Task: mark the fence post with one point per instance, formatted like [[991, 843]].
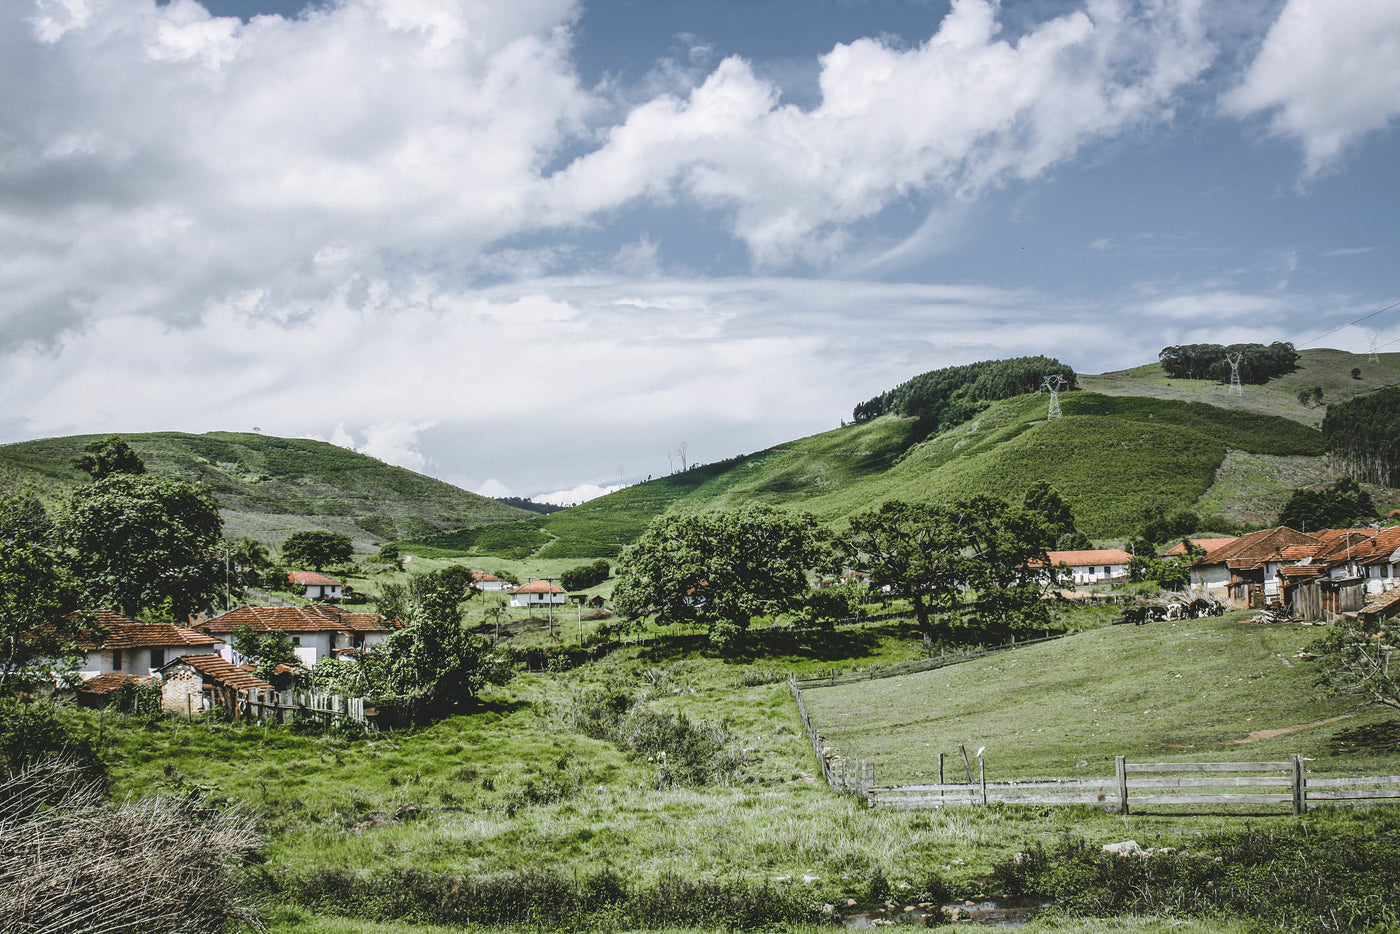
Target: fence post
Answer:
[[940, 774], [1300, 788], [1121, 766], [982, 772], [967, 766]]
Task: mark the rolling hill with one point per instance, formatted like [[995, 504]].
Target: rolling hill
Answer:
[[269, 487], [1129, 441]]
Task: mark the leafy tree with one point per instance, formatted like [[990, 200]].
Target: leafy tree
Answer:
[[912, 552], [267, 648], [389, 554], [37, 632], [1356, 659], [316, 549], [952, 395], [141, 543], [1342, 504], [721, 569], [1258, 363], [585, 575], [435, 659], [1010, 545], [110, 456], [1045, 500]]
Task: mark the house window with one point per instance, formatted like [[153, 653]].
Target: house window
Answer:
[[116, 659], [296, 640], [157, 657]]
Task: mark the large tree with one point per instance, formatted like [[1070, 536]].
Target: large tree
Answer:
[[1339, 505], [721, 568], [913, 552], [317, 549], [36, 598], [1011, 566], [144, 544]]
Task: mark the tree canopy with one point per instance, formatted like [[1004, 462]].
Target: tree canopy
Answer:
[[144, 544], [1356, 659], [979, 554], [1363, 436], [102, 459], [316, 549], [1340, 505], [36, 597], [721, 568], [1258, 363], [954, 394]]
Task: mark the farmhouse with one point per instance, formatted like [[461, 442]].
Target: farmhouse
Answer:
[[538, 593], [484, 581], [317, 631], [137, 648], [196, 683], [1094, 566], [1244, 571], [318, 586], [1206, 545]]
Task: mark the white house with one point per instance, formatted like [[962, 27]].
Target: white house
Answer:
[[538, 593], [138, 648], [316, 631], [1095, 566], [318, 586], [484, 581]]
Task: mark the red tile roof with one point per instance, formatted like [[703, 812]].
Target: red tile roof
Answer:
[[314, 618], [218, 669], [1079, 559], [1252, 550], [539, 587], [483, 577], [1205, 544], [313, 579], [109, 681], [126, 633]]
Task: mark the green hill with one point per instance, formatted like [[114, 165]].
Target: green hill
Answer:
[[269, 487], [1110, 457]]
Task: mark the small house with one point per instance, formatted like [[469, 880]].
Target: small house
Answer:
[[315, 631], [193, 684], [1094, 566], [318, 586], [131, 646], [484, 581], [538, 593]]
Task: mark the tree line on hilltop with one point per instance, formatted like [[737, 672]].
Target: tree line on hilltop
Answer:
[[1258, 363], [952, 395]]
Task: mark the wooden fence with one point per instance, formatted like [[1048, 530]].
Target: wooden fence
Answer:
[[1156, 784], [289, 706]]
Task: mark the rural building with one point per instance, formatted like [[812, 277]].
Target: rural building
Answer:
[[197, 683], [538, 593], [317, 631], [318, 586], [135, 647], [1206, 545], [484, 581], [1094, 566], [97, 692], [1244, 571]]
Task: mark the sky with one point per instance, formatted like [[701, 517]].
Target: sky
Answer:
[[543, 247]]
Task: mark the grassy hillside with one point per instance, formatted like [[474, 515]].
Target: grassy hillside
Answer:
[[1324, 367], [1111, 458], [1216, 689], [269, 487]]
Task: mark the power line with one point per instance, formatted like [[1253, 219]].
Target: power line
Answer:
[[1349, 324]]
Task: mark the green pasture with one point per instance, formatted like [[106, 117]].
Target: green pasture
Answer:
[[1215, 689]]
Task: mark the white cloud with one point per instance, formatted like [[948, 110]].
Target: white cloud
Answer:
[[961, 113], [579, 494], [1328, 73]]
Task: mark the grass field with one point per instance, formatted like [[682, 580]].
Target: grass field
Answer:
[[1215, 689]]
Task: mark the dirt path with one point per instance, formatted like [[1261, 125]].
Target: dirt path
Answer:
[[1258, 735]]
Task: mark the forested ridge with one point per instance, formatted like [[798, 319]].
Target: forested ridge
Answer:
[[1258, 363], [1363, 436], [955, 394]]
